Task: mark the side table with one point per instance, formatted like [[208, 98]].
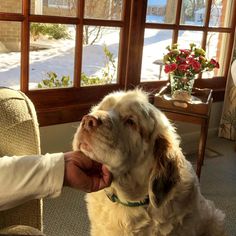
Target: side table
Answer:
[[196, 111]]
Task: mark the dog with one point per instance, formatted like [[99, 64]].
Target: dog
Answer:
[[155, 190]]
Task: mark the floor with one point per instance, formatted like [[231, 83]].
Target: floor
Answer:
[[66, 215]]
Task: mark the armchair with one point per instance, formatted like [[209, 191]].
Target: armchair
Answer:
[[19, 136]]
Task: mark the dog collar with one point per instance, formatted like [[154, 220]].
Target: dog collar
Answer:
[[114, 198]]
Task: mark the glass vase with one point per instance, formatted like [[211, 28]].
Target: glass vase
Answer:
[[181, 87]]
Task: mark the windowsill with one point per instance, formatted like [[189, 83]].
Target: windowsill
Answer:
[[71, 104]]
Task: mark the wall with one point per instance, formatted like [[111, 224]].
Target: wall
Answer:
[[10, 31], [58, 138], [10, 35]]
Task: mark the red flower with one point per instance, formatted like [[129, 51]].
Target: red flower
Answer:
[[214, 63], [183, 67], [180, 59], [195, 64], [170, 67], [187, 62], [185, 52]]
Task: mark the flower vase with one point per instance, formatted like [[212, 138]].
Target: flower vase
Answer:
[[181, 87]]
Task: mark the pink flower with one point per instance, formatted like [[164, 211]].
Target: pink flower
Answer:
[[170, 67], [214, 63]]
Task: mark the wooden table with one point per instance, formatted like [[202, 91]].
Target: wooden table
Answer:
[[196, 111]]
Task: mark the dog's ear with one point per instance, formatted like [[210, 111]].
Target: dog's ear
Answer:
[[164, 174]]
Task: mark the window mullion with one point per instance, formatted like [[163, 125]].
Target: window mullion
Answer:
[[122, 65], [177, 22], [206, 25], [135, 42], [79, 44], [24, 81]]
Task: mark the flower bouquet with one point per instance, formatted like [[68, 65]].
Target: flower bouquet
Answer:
[[183, 65]]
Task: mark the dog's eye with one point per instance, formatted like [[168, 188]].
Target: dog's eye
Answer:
[[130, 122]]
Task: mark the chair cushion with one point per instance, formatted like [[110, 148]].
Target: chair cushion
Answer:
[[18, 124]]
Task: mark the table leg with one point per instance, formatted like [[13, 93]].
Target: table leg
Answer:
[[202, 146], [160, 70]]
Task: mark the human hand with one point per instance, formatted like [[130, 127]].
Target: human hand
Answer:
[[85, 174]]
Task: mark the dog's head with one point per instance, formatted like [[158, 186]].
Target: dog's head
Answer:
[[135, 141]]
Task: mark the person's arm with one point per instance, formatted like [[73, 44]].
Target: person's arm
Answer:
[[23, 178]]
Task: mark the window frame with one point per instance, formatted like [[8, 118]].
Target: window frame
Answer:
[[55, 106], [216, 83]]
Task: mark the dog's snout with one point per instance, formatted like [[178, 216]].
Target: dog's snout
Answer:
[[90, 122]]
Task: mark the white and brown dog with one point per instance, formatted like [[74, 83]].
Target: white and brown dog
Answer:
[[155, 190]]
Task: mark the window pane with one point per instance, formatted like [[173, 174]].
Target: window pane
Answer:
[[185, 37], [10, 34], [11, 6], [103, 9], [100, 55], [55, 7], [51, 55], [215, 48], [161, 11], [193, 12], [155, 44], [221, 13]]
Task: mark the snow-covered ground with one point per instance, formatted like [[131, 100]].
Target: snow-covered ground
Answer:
[[58, 56]]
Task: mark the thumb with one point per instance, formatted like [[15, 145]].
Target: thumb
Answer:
[[103, 181], [106, 177]]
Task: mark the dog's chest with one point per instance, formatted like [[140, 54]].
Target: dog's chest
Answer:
[[108, 218]]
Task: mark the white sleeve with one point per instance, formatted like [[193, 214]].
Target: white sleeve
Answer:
[[23, 178]]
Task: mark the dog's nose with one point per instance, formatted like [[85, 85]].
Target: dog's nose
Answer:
[[90, 122]]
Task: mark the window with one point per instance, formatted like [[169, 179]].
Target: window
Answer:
[[67, 54], [208, 24]]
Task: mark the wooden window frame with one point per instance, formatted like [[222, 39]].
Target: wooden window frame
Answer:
[[56, 106], [216, 83]]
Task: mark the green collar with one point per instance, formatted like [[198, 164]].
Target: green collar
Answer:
[[114, 198]]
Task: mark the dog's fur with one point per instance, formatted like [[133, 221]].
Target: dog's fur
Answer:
[[140, 147]]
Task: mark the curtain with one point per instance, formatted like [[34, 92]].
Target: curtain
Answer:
[[227, 127]]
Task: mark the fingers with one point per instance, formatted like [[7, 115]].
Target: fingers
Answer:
[[102, 181], [79, 159], [107, 176], [85, 174]]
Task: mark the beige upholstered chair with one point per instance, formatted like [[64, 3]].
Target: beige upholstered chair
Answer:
[[19, 135]]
